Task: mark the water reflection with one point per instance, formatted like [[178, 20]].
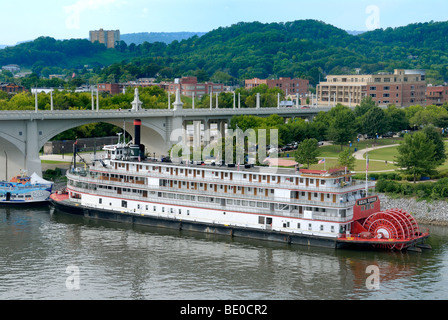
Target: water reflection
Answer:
[[119, 261]]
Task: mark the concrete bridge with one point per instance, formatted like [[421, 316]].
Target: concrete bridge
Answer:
[[23, 133]]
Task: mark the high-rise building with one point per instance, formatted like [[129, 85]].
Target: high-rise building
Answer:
[[402, 88], [107, 37]]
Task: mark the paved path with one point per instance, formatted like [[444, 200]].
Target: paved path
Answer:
[[359, 155]]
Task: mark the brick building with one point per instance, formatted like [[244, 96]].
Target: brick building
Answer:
[[436, 95], [402, 88], [107, 37], [289, 86], [189, 86], [111, 88], [11, 88]]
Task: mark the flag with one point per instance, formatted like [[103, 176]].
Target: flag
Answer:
[[322, 161], [367, 163], [73, 75]]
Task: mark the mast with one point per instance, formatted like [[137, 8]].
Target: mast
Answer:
[[367, 173]]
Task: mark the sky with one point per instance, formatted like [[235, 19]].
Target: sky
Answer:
[[66, 19]]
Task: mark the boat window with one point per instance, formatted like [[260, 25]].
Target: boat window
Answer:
[[261, 220], [124, 204]]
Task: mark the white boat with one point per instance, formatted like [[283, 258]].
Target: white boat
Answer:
[[23, 189], [309, 207]]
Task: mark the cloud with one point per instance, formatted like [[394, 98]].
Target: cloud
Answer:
[[74, 11]]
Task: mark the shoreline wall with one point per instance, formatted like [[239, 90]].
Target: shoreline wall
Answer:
[[433, 213]]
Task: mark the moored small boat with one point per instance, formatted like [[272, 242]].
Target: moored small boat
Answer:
[[23, 189]]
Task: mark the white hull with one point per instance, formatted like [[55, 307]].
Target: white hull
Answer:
[[226, 218]]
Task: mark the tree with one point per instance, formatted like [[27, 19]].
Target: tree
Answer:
[[396, 118], [434, 135], [342, 125], [307, 152], [346, 159], [416, 154], [375, 122], [366, 104]]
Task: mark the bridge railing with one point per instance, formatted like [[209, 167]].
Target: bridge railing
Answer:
[[128, 113]]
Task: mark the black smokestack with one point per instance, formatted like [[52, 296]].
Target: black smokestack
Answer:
[[137, 128]]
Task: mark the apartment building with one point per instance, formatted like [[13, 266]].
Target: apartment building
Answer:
[[111, 88], [189, 86], [289, 86], [107, 37], [402, 88], [436, 95]]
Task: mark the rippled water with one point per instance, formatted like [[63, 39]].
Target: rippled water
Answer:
[[117, 261]]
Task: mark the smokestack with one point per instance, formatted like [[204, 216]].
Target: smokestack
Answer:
[[137, 128]]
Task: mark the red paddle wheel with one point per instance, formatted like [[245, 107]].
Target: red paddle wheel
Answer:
[[394, 225]]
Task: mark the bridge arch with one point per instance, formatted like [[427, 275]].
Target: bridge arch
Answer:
[[152, 135], [12, 159], [21, 141]]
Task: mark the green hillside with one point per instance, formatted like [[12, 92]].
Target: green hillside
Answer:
[[305, 48]]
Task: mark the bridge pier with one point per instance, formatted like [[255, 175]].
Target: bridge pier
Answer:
[[32, 160]]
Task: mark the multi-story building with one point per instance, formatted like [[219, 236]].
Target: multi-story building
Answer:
[[11, 88], [12, 68], [111, 88], [189, 86], [289, 86], [402, 88], [436, 95], [107, 37]]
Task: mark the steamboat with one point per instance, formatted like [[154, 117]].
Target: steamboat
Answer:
[[325, 208]]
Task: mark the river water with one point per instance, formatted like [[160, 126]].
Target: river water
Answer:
[[46, 254]]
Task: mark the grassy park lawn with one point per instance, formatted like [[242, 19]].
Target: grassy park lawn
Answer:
[[360, 165], [333, 150], [384, 154], [54, 161]]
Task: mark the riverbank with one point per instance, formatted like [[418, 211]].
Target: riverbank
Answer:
[[425, 212]]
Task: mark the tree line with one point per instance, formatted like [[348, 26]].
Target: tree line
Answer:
[[307, 49]]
